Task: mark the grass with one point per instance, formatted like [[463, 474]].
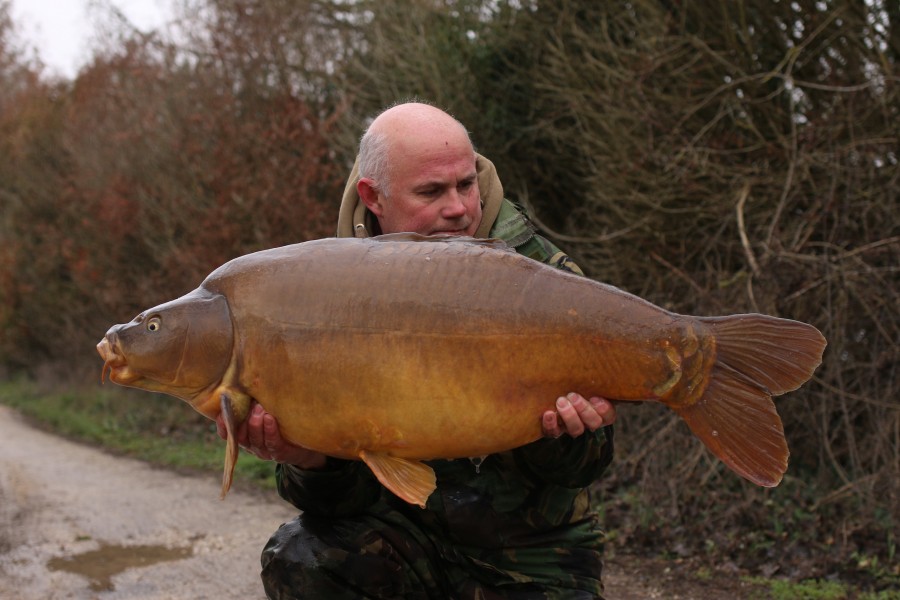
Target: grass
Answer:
[[151, 427], [816, 589]]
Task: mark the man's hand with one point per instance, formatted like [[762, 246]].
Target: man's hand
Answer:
[[259, 435], [574, 415]]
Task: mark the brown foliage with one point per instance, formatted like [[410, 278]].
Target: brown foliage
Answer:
[[31, 171], [166, 170]]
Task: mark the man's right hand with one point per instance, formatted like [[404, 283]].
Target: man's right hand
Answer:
[[259, 435]]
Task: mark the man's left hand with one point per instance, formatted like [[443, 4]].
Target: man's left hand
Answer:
[[574, 415]]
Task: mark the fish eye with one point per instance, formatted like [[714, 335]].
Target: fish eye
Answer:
[[154, 324]]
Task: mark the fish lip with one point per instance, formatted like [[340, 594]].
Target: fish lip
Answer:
[[114, 362], [109, 351]]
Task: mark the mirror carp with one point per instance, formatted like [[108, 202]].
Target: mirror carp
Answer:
[[404, 348]]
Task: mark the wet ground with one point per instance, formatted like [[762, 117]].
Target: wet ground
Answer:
[[100, 565]]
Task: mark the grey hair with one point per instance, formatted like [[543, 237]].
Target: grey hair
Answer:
[[373, 160]]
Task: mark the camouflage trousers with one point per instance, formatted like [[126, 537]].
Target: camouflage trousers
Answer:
[[385, 556]]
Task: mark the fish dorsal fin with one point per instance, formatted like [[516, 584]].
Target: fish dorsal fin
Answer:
[[495, 243], [411, 480]]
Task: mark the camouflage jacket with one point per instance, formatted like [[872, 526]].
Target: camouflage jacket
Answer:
[[518, 516]]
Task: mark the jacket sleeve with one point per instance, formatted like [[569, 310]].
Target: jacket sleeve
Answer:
[[344, 488], [515, 228], [567, 461]]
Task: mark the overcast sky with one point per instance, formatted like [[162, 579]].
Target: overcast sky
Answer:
[[61, 29]]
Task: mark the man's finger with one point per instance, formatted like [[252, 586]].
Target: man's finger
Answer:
[[570, 417], [604, 408], [588, 414], [550, 425], [272, 437], [255, 428]]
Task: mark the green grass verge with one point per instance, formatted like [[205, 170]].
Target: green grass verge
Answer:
[[151, 427], [815, 589]]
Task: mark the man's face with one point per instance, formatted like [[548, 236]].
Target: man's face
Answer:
[[433, 188]]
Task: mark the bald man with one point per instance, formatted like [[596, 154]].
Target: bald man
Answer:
[[518, 524]]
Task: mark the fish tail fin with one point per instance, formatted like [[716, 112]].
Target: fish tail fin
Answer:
[[757, 357]]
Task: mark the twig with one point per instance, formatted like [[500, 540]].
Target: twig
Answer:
[[805, 289], [877, 244], [789, 179], [859, 398], [843, 490], [751, 295], [678, 272], [599, 239], [788, 85], [745, 242], [827, 88]]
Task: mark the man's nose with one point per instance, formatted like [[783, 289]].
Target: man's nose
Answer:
[[454, 205]]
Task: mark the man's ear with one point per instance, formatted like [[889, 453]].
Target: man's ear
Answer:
[[365, 187]]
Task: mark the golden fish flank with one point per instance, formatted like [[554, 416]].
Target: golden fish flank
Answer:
[[363, 350]]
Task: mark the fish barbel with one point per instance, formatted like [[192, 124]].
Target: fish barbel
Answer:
[[404, 348]]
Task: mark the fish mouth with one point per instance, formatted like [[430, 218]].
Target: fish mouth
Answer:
[[114, 362]]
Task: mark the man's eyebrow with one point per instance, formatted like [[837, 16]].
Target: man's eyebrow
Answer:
[[439, 184], [429, 185]]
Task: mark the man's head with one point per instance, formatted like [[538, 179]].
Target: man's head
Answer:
[[417, 172]]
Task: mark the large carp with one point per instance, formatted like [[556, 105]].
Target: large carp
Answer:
[[403, 348]]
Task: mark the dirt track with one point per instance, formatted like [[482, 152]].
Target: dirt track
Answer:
[[77, 523], [169, 534]]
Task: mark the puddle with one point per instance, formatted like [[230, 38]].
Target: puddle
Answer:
[[100, 565]]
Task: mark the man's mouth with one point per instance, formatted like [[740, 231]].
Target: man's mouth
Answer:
[[450, 232]]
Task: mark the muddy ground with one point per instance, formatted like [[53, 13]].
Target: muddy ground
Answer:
[[78, 523]]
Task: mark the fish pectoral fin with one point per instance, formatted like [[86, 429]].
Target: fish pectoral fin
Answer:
[[235, 407], [411, 480]]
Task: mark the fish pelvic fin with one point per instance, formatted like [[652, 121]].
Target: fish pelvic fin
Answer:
[[410, 480], [235, 408], [757, 357]]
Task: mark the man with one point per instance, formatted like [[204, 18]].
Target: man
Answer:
[[512, 525]]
